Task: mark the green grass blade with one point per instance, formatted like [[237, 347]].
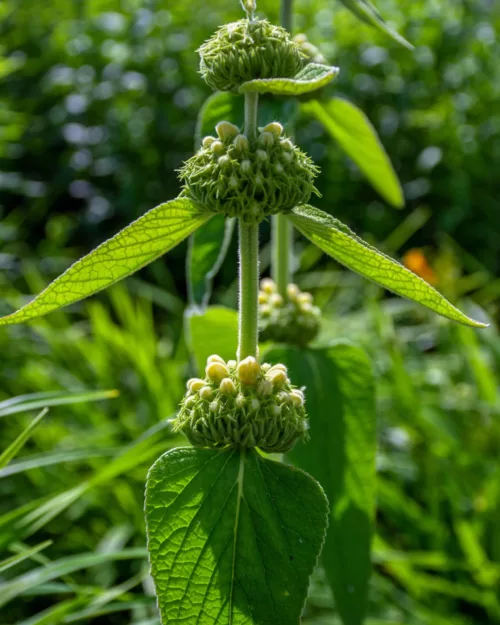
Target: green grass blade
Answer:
[[137, 245], [354, 133], [337, 240], [313, 77], [36, 401], [18, 444], [23, 555]]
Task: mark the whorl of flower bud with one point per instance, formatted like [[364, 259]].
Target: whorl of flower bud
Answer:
[[249, 179], [246, 50], [252, 406], [293, 319]]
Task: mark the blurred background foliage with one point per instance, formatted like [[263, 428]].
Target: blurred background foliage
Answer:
[[98, 105]]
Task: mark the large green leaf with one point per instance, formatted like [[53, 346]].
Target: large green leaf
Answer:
[[350, 127], [341, 456], [214, 331], [137, 245], [312, 77], [337, 240], [366, 12], [207, 250], [232, 537]]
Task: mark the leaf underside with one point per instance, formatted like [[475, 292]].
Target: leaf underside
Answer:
[[352, 130], [340, 454], [366, 12], [339, 242], [312, 77], [232, 537], [137, 245]]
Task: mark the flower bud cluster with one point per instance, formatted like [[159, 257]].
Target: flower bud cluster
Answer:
[[310, 51], [246, 50], [293, 319], [249, 179], [242, 405]]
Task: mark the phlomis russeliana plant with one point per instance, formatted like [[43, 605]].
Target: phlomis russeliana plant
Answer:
[[233, 535]]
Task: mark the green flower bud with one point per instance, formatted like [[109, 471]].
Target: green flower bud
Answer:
[[234, 413], [292, 319], [249, 179], [248, 49]]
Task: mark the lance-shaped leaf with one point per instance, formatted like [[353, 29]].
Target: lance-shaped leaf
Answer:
[[366, 12], [137, 245], [340, 454], [232, 537], [350, 127], [339, 242], [207, 250], [312, 77]]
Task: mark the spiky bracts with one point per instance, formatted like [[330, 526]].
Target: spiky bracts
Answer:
[[249, 179], [243, 405], [248, 49]]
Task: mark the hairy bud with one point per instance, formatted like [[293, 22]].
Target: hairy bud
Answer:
[[234, 413], [248, 49]]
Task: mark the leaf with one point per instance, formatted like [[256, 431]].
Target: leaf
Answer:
[[215, 331], [341, 456], [232, 537], [366, 12], [312, 77], [20, 441], [35, 401], [137, 245], [337, 240], [208, 247], [220, 106], [23, 555], [350, 127]]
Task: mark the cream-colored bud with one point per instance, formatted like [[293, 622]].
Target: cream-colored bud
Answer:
[[274, 128], [240, 401], [265, 367], [286, 144], [262, 297], [287, 157], [227, 387], [231, 364], [266, 139], [207, 141], [224, 160], [306, 308], [277, 377], [246, 166], [217, 147], [216, 371], [214, 406], [265, 387], [275, 410], [265, 310], [293, 291], [227, 131], [283, 398], [261, 156], [215, 358], [190, 401], [279, 367], [300, 38], [241, 143], [206, 393], [279, 168], [297, 398], [194, 384], [254, 404], [248, 370], [276, 300], [268, 286], [305, 298]]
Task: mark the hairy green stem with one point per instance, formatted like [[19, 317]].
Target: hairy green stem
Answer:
[[249, 289], [249, 258], [282, 233], [251, 113]]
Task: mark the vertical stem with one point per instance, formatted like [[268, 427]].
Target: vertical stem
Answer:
[[282, 233], [249, 258], [249, 289]]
